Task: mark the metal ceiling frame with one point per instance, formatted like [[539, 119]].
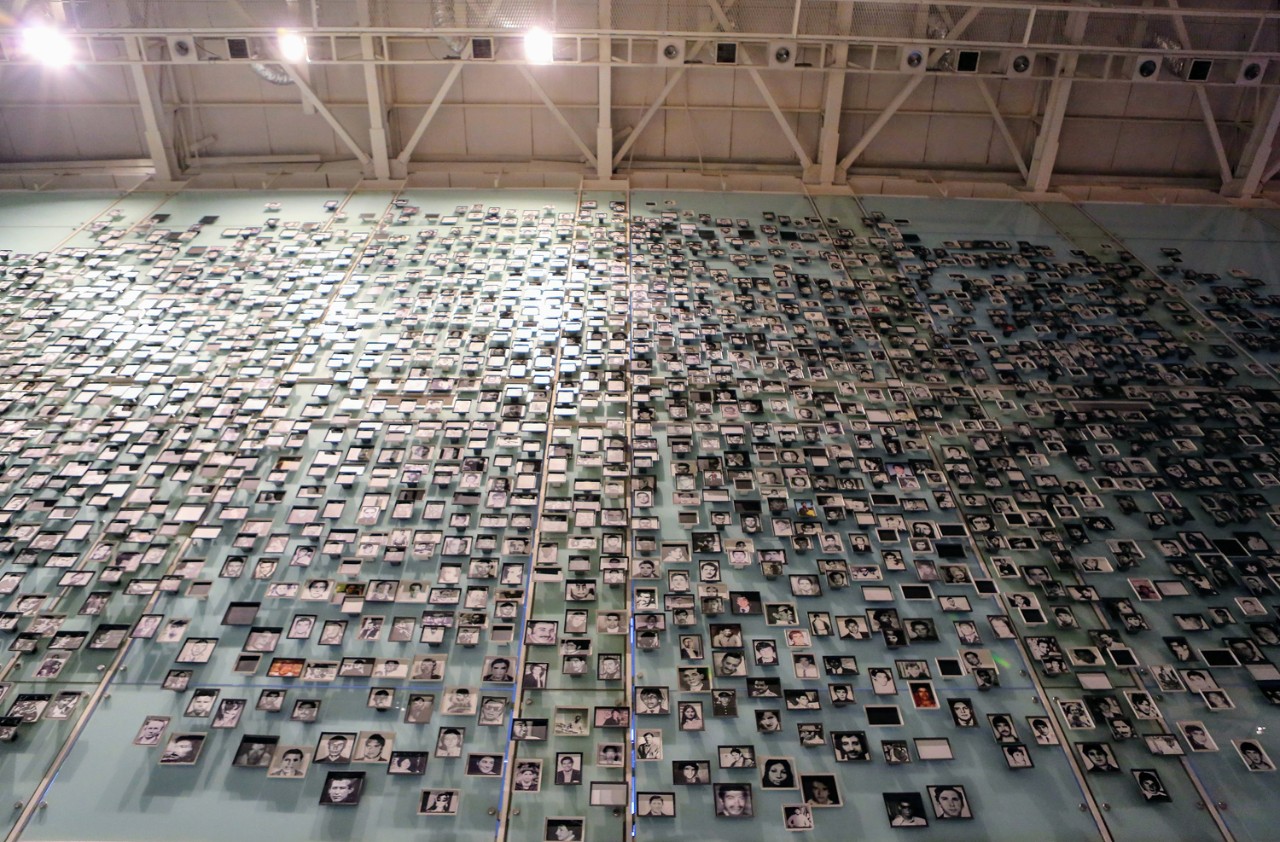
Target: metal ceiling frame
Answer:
[[837, 54]]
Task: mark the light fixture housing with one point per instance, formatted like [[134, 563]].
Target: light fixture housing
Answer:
[[671, 51], [1020, 64], [539, 47], [1146, 68], [293, 46], [182, 49], [48, 45], [783, 54], [914, 58], [1251, 71]]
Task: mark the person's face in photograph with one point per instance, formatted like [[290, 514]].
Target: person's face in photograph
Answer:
[[769, 721], [542, 633], [290, 762], [777, 773], [182, 749], [201, 705], [733, 802], [485, 765], [526, 777], [151, 730], [341, 789], [820, 793], [373, 748], [950, 803], [336, 746]]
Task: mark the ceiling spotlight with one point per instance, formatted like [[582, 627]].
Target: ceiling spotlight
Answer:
[[538, 46], [782, 55], [671, 52], [1021, 64], [1147, 68], [293, 47], [48, 45]]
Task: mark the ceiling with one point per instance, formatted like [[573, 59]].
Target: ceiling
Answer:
[[826, 93]]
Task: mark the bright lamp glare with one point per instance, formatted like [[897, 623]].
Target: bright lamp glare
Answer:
[[537, 46], [48, 45], [293, 47]]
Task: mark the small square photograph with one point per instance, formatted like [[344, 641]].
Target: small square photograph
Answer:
[[342, 789], [1197, 736], [305, 710], [449, 742], [419, 708], [438, 802], [153, 728], [290, 762], [202, 703], [690, 772], [1042, 730], [778, 773], [1150, 786], [196, 650], [690, 717], [460, 701], [737, 757], [568, 768], [656, 805], [565, 828], [484, 765], [182, 749], [525, 729], [1254, 756], [905, 809], [572, 722], [528, 776], [229, 712], [820, 790], [610, 755], [373, 747], [649, 744], [1097, 757], [949, 802], [335, 747], [733, 801], [895, 751], [255, 751], [1016, 756], [270, 700]]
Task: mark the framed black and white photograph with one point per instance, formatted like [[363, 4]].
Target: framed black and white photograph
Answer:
[[196, 650], [568, 768], [289, 762], [733, 801], [778, 773], [484, 765], [736, 756], [1150, 786], [528, 776], [564, 829], [905, 809], [153, 728], [950, 801], [255, 751], [342, 788], [439, 802], [182, 749], [1254, 756], [820, 790], [656, 805]]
